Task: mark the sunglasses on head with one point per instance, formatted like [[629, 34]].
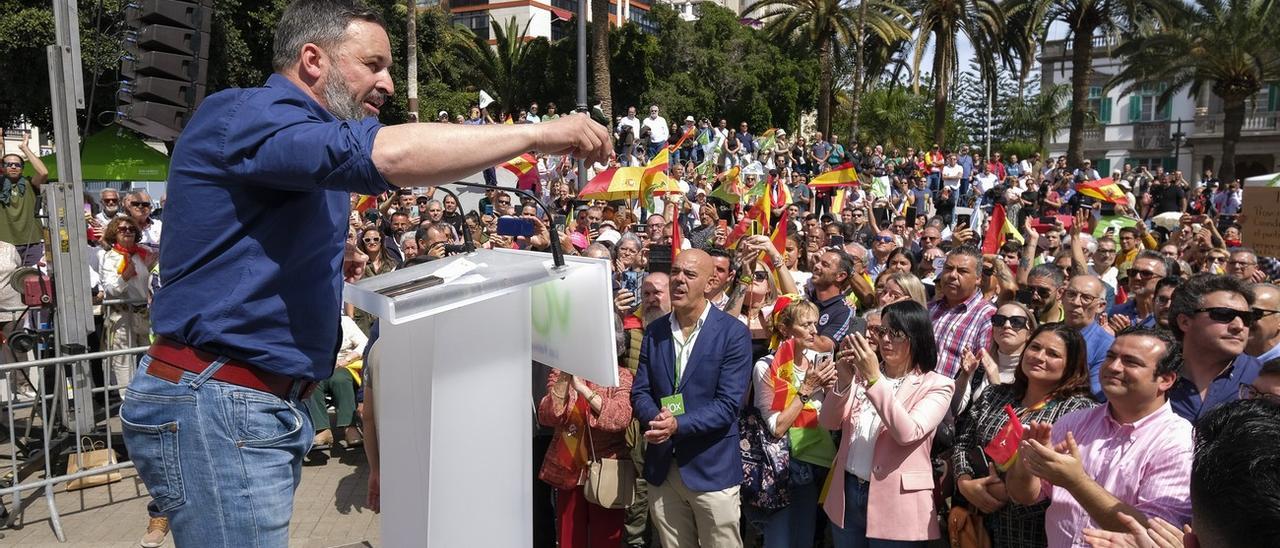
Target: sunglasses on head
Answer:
[[1016, 322], [1222, 314]]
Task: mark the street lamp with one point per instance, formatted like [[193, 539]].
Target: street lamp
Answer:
[[1178, 138]]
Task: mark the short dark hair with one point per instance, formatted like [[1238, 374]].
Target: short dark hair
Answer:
[[1075, 376], [1168, 281], [1186, 299], [912, 318], [1155, 256], [320, 22], [1171, 361], [1048, 270], [720, 252], [1235, 475], [966, 251]]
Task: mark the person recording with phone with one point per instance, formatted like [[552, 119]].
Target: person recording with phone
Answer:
[[790, 384]]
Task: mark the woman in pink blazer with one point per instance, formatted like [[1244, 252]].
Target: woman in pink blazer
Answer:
[[887, 407]]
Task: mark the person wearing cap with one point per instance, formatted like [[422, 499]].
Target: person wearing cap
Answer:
[[685, 152], [442, 116]]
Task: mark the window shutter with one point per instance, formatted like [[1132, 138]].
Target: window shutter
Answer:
[[1104, 117], [1273, 97], [1135, 107]]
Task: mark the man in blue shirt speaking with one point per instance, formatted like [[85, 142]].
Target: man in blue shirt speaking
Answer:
[[253, 261]]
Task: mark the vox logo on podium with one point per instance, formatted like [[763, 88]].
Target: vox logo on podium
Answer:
[[551, 310]]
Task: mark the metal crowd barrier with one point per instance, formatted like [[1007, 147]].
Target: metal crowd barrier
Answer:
[[42, 432]]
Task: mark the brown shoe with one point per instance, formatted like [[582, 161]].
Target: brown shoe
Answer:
[[323, 440], [157, 530]]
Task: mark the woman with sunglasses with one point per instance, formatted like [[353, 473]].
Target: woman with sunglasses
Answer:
[[126, 275], [1011, 327], [757, 289], [892, 287], [380, 260], [789, 395], [1051, 380], [887, 406]]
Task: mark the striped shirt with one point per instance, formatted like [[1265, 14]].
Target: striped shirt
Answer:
[[1146, 465], [964, 326]]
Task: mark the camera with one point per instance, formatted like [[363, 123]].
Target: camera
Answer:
[[454, 249]]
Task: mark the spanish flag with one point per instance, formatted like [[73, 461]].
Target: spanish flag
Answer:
[[837, 201], [365, 203], [1105, 190], [692, 131], [525, 168], [842, 175], [781, 195], [779, 237], [1003, 448]]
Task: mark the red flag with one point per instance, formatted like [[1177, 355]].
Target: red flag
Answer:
[[1003, 448], [1105, 190], [677, 240], [779, 237], [994, 237], [366, 203], [525, 168]]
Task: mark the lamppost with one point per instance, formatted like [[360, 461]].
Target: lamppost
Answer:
[[1178, 138]]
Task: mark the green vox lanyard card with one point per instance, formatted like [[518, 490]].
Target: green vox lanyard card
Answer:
[[674, 403]]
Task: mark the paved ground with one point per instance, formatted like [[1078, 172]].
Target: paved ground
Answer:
[[328, 510]]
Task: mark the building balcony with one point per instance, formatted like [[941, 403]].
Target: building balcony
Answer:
[[1255, 123], [1151, 136], [1055, 50]]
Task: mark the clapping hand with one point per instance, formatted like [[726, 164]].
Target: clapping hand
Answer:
[[1161, 534], [1059, 465]]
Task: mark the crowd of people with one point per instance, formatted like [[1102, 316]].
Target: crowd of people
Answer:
[[877, 379], [869, 378]]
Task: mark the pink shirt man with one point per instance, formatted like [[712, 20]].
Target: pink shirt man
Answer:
[[1146, 464]]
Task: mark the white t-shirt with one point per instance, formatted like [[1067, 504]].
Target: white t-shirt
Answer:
[[951, 176]]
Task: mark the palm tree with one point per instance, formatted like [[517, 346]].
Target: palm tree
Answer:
[[1224, 46], [600, 54], [497, 64], [1084, 19], [941, 22], [824, 24], [1041, 116]]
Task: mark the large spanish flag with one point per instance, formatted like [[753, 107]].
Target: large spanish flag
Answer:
[[525, 168], [1104, 189], [842, 175]]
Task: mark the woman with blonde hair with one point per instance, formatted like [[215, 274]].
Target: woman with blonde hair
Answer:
[[892, 287]]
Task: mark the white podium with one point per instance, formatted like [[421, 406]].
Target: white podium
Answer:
[[453, 392]]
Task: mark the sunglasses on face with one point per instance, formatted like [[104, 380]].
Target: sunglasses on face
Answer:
[[1042, 292], [760, 275], [1143, 274], [1260, 313], [372, 240], [884, 239], [141, 204], [126, 230], [1224, 315], [892, 335], [1018, 323], [110, 200], [13, 164]]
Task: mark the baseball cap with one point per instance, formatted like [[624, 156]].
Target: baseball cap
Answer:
[[610, 237]]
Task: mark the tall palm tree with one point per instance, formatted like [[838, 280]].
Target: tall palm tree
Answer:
[[1225, 46], [497, 64], [1041, 116], [1084, 20], [941, 22], [600, 77], [824, 24]]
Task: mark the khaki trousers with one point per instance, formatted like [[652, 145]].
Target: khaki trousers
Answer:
[[689, 519]]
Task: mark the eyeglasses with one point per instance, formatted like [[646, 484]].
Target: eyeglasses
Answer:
[[1240, 264], [892, 335], [1143, 274], [1018, 323], [1042, 292], [1250, 392], [372, 240], [13, 164], [1224, 315], [760, 275], [141, 204], [1072, 295], [110, 200]]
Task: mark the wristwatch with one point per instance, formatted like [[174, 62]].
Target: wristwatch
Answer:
[[806, 398]]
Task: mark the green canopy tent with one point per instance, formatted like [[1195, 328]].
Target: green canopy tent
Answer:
[[113, 154]]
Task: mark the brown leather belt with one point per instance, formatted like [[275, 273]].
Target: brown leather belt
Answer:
[[170, 358]]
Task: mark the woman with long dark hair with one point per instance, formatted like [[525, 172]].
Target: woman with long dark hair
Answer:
[[1052, 379], [887, 404]]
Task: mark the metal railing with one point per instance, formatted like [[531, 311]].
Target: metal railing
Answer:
[[43, 434]]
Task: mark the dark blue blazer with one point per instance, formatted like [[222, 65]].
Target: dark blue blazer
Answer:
[[714, 386]]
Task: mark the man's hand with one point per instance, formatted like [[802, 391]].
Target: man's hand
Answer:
[[436, 250], [541, 238], [1115, 323], [661, 428], [353, 263], [1161, 534], [623, 302], [574, 134], [1058, 465]]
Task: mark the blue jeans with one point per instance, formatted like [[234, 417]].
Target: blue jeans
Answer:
[[854, 532], [221, 461], [793, 526]]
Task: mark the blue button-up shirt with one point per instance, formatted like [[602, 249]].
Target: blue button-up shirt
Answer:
[[255, 217], [965, 161], [1186, 400], [1097, 342], [1269, 355]]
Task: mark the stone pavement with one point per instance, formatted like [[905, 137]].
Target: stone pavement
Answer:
[[328, 510]]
